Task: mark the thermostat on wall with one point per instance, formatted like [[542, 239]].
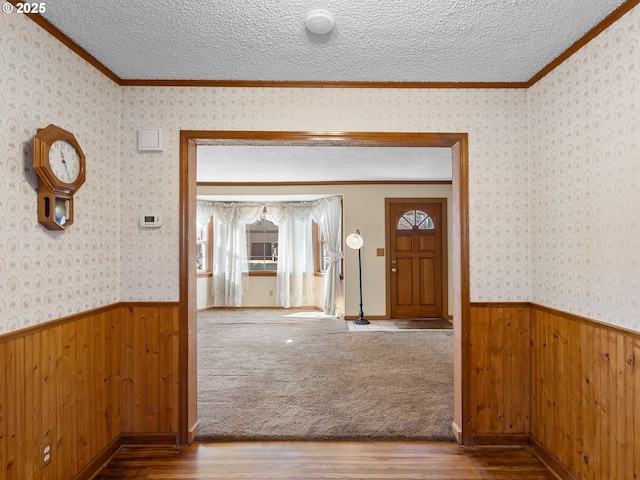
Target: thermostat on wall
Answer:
[[150, 221]]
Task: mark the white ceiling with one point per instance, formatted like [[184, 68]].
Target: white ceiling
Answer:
[[373, 40], [278, 164]]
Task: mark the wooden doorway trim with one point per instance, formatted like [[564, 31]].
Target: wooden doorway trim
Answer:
[[458, 142]]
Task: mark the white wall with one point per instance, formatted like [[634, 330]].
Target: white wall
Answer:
[[260, 292]]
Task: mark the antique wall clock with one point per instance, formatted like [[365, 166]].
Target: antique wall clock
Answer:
[[60, 165]]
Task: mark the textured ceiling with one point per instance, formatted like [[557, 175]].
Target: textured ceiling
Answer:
[[321, 163], [373, 40]]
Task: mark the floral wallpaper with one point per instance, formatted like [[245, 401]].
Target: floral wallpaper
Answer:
[[44, 274], [499, 175], [585, 180], [553, 174]]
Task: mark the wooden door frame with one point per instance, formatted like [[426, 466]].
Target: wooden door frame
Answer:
[[444, 253], [189, 139]]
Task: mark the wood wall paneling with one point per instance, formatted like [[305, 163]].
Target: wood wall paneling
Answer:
[[585, 393], [570, 384], [150, 376], [63, 383], [500, 339]]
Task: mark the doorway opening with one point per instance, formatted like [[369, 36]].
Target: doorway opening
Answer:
[[189, 140]]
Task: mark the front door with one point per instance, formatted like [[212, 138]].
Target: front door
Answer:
[[417, 257]]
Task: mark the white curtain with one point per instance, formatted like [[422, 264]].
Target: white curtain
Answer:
[[296, 267], [328, 214], [204, 210], [230, 250]]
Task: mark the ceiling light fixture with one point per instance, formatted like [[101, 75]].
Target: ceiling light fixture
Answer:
[[319, 21]]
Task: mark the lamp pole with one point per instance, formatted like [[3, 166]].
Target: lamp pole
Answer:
[[356, 242], [361, 320]]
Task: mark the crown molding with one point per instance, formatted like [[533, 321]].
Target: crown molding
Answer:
[[585, 39]]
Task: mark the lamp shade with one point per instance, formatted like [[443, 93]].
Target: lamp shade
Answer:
[[355, 241]]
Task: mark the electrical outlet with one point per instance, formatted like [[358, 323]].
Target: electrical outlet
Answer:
[[271, 293], [46, 453]]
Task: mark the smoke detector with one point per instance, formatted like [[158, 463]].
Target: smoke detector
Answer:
[[319, 21]]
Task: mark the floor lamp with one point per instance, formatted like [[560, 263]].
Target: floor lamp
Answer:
[[355, 241]]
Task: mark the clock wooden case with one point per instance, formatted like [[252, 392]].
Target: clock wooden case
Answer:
[[60, 165]]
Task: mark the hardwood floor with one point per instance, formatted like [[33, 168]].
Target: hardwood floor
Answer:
[[322, 460]]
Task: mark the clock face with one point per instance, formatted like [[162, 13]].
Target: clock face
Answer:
[[64, 160]]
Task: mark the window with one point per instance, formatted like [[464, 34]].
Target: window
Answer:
[[262, 244], [203, 248], [415, 219], [201, 255], [320, 250]]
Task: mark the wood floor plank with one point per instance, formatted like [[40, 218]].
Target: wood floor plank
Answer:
[[323, 460]]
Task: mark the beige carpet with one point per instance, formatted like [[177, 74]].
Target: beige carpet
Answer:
[[285, 375]]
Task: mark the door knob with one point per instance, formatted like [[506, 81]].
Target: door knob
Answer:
[[394, 270], [393, 262]]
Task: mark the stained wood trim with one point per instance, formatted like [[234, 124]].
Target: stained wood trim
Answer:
[[41, 327], [67, 42], [368, 317], [148, 304], [349, 182], [341, 138], [458, 142], [462, 331], [96, 465], [585, 39], [148, 439], [187, 369], [584, 320], [318, 84], [81, 52], [551, 461], [501, 440], [569, 316], [262, 273], [501, 305]]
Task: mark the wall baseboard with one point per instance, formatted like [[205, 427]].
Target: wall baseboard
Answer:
[[368, 317], [150, 439], [193, 431], [457, 432], [500, 440], [98, 463], [551, 461]]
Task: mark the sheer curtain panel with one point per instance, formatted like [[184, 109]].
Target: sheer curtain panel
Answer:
[[230, 267], [296, 267]]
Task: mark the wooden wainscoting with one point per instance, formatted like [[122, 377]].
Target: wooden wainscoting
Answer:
[[566, 385], [500, 370], [585, 395], [150, 370], [81, 383]]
